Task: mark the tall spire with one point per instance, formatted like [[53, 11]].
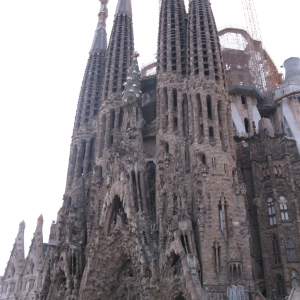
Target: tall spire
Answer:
[[120, 49], [89, 98], [100, 38]]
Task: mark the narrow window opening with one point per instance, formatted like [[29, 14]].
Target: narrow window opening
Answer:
[[243, 100], [221, 217], [175, 124], [121, 115], [201, 131], [276, 249], [185, 117], [167, 147], [103, 132], [283, 209], [174, 98], [280, 286], [199, 105], [187, 158], [134, 190], [73, 265], [246, 125], [289, 244], [112, 120], [139, 187], [209, 108], [271, 212], [211, 133]]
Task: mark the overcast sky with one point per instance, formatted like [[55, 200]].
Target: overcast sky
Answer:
[[43, 53]]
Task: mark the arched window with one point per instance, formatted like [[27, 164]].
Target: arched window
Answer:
[[276, 249], [283, 208], [289, 245], [280, 285], [271, 212]]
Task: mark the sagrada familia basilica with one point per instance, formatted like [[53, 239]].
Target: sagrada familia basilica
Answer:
[[183, 177]]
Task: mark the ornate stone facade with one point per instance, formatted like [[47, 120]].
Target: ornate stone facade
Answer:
[[164, 199]]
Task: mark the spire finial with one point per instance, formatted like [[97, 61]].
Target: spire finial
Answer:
[[124, 7], [100, 38]]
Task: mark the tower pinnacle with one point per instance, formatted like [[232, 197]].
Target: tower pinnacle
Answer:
[[100, 38], [124, 7]]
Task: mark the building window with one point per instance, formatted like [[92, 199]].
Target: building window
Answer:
[[283, 208], [221, 217], [276, 249], [289, 244], [246, 121], [209, 107], [167, 149], [280, 285], [271, 212]]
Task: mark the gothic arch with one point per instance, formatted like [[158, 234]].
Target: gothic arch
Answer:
[[115, 214]]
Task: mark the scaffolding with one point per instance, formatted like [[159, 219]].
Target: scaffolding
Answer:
[[247, 63]]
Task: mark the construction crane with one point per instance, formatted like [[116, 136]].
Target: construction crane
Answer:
[[251, 19]]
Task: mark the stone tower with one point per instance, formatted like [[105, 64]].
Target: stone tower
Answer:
[[219, 213]]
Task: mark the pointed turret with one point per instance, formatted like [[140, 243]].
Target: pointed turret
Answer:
[[38, 243], [120, 49], [15, 265], [19, 251]]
